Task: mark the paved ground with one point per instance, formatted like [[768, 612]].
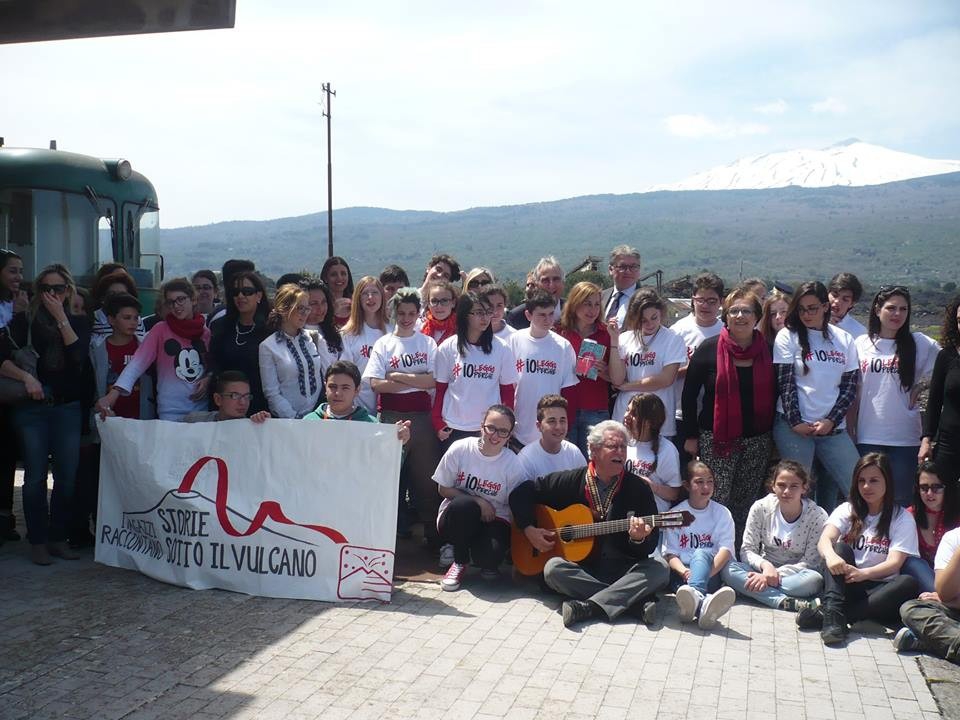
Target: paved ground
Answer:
[[80, 640]]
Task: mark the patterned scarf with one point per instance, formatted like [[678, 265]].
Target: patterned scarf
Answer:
[[600, 504]]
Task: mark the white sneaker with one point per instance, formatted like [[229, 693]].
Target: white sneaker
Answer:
[[688, 599], [451, 581], [446, 555], [715, 605]]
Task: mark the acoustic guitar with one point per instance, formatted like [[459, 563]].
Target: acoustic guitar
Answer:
[[574, 530]]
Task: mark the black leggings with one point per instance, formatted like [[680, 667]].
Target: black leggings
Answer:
[[485, 542], [870, 599]]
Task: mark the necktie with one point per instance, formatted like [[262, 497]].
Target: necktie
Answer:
[[614, 304]]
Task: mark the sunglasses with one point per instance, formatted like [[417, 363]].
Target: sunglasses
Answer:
[[893, 290], [934, 488], [57, 288], [245, 291]]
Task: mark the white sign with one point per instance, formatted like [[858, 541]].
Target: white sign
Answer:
[[289, 508]]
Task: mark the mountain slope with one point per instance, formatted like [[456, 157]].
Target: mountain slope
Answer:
[[852, 163], [896, 232]]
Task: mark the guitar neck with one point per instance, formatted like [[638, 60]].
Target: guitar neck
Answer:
[[607, 527]]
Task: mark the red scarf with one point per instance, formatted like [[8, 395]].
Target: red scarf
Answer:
[[727, 413], [191, 329], [432, 326]]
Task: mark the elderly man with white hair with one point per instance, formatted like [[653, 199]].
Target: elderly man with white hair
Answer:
[[549, 277], [619, 575]]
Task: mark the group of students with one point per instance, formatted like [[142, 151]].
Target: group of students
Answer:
[[747, 374]]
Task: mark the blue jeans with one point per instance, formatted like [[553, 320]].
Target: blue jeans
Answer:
[[700, 566], [836, 453], [804, 584], [44, 431], [916, 567], [582, 422], [903, 465]]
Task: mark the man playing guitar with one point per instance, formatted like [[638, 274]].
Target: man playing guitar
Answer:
[[619, 575]]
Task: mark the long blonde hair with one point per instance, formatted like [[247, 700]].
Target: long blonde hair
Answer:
[[575, 298], [36, 302], [285, 303], [354, 326]]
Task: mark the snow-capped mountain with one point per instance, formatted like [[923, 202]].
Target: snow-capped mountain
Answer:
[[851, 163]]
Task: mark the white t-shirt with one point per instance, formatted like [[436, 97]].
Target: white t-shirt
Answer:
[[711, 529], [465, 468], [640, 459], [664, 348], [781, 531], [852, 326], [537, 462], [415, 354], [869, 549], [546, 365], [327, 356], [505, 332], [827, 362], [357, 349], [949, 544], [885, 416], [693, 335], [473, 381]]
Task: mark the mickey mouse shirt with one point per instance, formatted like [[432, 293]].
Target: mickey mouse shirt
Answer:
[[180, 365]]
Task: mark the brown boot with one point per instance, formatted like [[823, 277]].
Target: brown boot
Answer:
[[39, 555], [62, 550]]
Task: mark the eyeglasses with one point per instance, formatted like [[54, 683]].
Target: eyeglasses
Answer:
[[245, 291], [494, 430], [57, 289], [740, 312], [237, 396], [370, 293], [303, 309], [626, 267], [810, 309], [482, 313], [177, 301], [201, 288], [934, 488], [440, 301], [706, 301]]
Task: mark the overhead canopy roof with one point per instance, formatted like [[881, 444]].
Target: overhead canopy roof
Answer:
[[36, 20]]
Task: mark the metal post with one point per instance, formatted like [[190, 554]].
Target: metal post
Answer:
[[327, 113]]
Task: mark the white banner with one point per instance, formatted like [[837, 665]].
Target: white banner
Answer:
[[289, 508]]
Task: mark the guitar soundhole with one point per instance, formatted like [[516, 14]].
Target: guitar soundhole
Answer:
[[566, 534]]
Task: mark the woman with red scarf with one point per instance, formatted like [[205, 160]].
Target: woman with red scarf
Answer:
[[439, 320], [731, 430], [178, 345]]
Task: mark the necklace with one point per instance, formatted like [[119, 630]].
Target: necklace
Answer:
[[243, 334]]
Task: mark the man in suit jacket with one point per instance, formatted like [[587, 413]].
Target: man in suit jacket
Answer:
[[625, 270], [549, 276]]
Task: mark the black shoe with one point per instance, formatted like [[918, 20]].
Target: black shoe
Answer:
[[648, 612], [578, 611], [83, 539], [834, 627], [810, 619]]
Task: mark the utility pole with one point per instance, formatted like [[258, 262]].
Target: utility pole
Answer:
[[326, 113]]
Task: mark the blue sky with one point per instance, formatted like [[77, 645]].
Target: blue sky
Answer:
[[443, 107]]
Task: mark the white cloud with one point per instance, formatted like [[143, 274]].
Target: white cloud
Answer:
[[829, 105], [700, 126], [777, 107]]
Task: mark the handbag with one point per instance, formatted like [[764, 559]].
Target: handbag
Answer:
[[15, 391]]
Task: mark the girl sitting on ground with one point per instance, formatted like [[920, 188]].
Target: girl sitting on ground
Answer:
[[697, 554], [864, 545], [779, 563]]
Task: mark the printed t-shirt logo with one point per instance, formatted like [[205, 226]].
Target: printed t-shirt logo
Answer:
[[476, 371], [642, 359], [477, 485], [878, 545], [365, 351], [638, 467], [880, 365], [532, 365], [780, 542], [408, 360], [696, 540], [837, 357]]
